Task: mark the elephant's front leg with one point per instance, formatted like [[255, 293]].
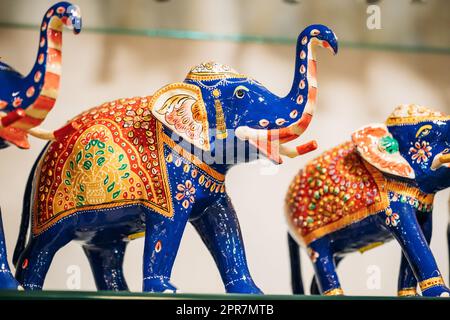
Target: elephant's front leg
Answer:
[[219, 229], [407, 282], [162, 239], [405, 228]]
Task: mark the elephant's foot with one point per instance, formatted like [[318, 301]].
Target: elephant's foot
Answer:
[[158, 284], [7, 281], [243, 285], [434, 287], [437, 291], [407, 292]]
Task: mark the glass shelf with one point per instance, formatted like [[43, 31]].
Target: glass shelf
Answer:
[[110, 295], [406, 25]]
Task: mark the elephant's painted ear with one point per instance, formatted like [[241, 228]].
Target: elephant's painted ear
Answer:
[[379, 148], [180, 107]]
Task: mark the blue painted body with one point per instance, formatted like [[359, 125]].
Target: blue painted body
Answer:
[[414, 229], [7, 280], [105, 233], [15, 88]]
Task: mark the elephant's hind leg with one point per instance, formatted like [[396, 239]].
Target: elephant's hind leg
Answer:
[[35, 261], [296, 268], [106, 261], [314, 287], [324, 267], [219, 229]]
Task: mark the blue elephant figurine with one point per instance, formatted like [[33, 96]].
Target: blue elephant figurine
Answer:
[[365, 192], [25, 101], [145, 166], [35, 94]]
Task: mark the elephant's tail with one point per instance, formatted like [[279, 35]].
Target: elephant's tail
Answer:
[[296, 271], [26, 209]]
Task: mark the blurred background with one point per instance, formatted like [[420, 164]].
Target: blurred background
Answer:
[[391, 52]]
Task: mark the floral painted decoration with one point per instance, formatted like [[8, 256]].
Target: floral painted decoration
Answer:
[[186, 193], [392, 218], [421, 151]]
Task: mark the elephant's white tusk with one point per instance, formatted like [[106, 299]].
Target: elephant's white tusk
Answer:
[[246, 133], [42, 134], [439, 160], [288, 152]]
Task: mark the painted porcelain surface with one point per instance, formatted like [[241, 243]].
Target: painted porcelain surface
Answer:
[[36, 92], [145, 166], [379, 186], [26, 100]]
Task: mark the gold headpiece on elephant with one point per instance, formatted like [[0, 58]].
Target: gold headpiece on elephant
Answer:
[[413, 113], [211, 70]]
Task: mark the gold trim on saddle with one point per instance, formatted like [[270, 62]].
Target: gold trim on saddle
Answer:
[[357, 216], [192, 158]]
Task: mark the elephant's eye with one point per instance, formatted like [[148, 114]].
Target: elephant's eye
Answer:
[[240, 94], [240, 91]]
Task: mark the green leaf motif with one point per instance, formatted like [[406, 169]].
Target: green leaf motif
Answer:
[[87, 164], [79, 156], [100, 152], [123, 166], [110, 149], [101, 161], [126, 175], [116, 194], [79, 204], [88, 146], [105, 182], [71, 165], [89, 155], [120, 157], [68, 175], [80, 198], [111, 186], [82, 187], [67, 182], [94, 142], [101, 145]]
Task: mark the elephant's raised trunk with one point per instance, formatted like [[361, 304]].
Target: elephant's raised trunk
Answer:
[[301, 98], [43, 80]]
